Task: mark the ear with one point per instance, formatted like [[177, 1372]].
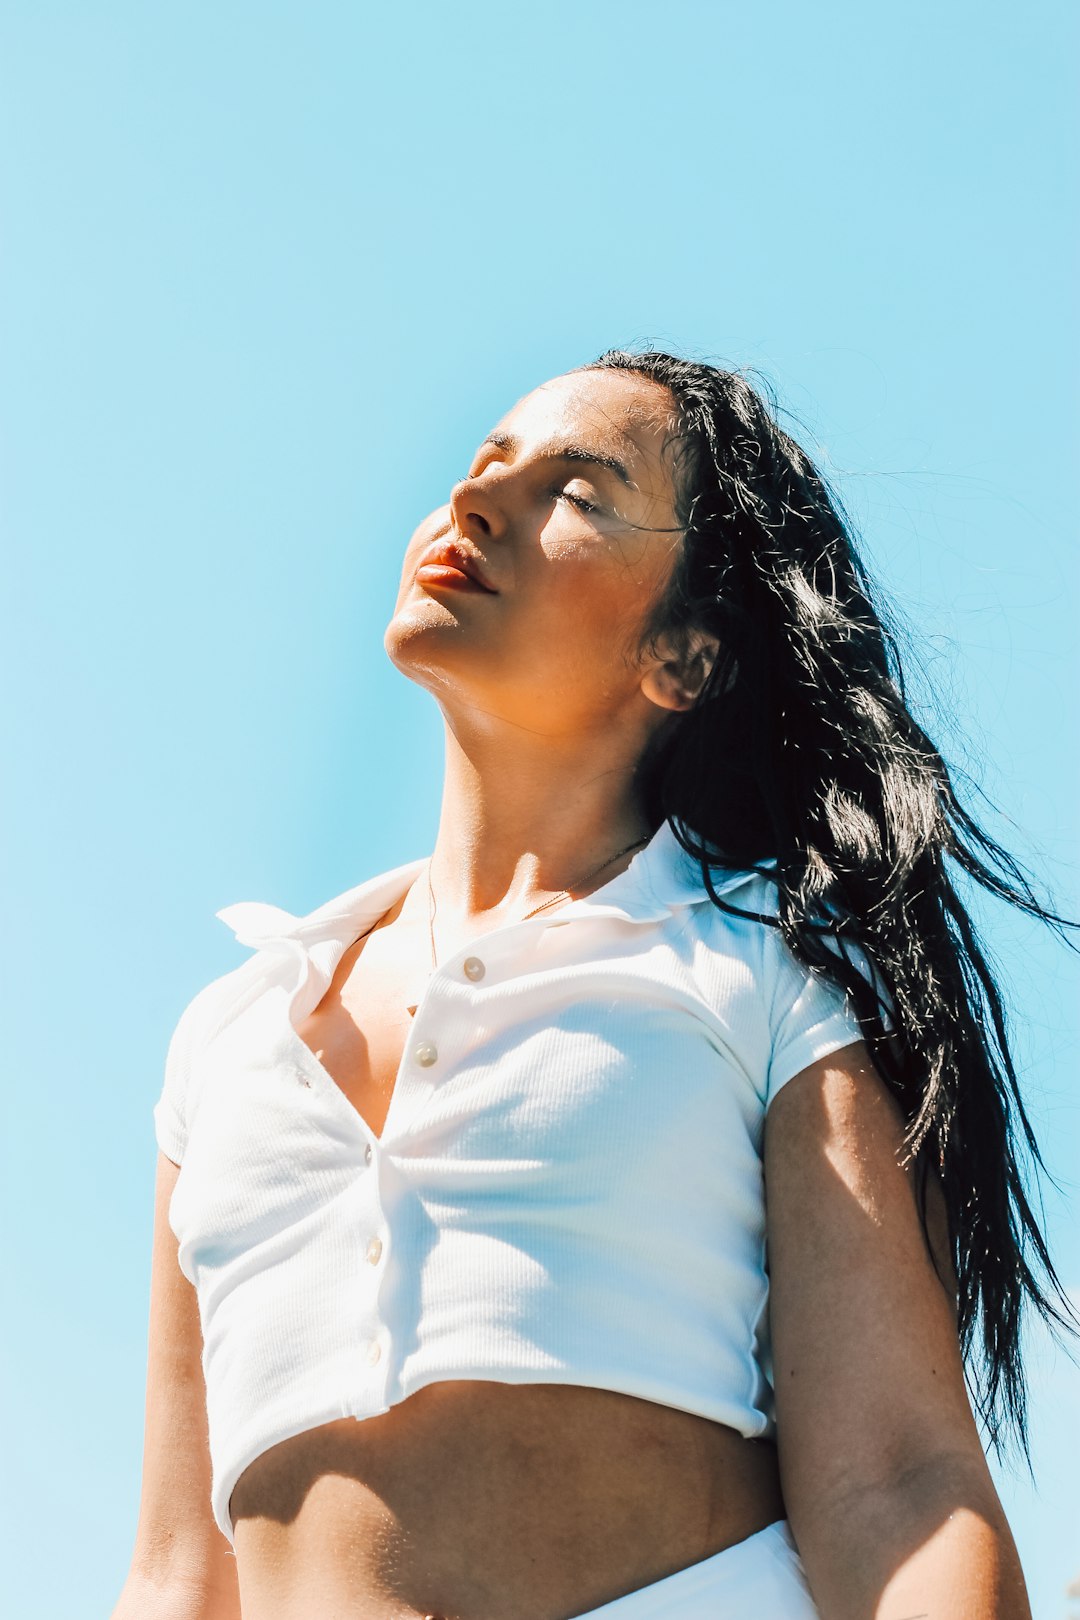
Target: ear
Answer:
[[674, 679]]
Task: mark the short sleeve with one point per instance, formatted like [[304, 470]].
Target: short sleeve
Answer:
[[810, 1016], [170, 1110]]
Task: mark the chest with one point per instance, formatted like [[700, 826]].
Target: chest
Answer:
[[359, 1029], [589, 1057], [547, 1102]]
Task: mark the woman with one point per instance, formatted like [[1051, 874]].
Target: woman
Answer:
[[470, 1226]]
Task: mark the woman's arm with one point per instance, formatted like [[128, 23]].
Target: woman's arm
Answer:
[[936, 1544], [885, 1481], [182, 1567]]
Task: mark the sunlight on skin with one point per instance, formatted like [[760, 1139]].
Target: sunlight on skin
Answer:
[[547, 692], [959, 1563], [572, 549]]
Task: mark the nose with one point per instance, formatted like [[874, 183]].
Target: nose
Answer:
[[476, 511]]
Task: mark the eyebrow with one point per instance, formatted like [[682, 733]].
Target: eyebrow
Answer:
[[567, 452]]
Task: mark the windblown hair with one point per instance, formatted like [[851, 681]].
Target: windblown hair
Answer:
[[801, 748]]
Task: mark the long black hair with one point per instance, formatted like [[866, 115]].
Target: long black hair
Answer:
[[801, 748]]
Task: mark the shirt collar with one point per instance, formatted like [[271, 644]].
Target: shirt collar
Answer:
[[257, 923], [659, 878]]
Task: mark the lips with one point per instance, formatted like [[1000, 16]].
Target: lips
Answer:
[[447, 554]]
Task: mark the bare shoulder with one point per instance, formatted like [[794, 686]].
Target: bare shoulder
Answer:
[[867, 1368]]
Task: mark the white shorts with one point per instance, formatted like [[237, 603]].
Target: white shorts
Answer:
[[761, 1578]]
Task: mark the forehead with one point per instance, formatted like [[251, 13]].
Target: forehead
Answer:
[[629, 416]]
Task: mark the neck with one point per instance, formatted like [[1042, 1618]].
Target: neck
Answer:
[[526, 818]]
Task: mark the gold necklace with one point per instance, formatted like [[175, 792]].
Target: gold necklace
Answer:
[[564, 894]]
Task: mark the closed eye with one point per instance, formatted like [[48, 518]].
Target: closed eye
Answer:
[[579, 501]]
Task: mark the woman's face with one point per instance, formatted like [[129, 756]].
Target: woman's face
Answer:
[[568, 512]]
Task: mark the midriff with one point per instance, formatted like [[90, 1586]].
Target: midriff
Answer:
[[475, 1500]]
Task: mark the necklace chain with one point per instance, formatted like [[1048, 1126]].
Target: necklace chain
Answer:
[[564, 894]]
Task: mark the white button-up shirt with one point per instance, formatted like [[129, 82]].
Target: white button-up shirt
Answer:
[[568, 1186]]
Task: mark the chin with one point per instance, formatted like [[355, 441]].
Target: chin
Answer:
[[422, 640]]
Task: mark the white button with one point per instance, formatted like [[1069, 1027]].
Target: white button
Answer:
[[374, 1250], [473, 968], [374, 1351], [367, 1152], [425, 1053]]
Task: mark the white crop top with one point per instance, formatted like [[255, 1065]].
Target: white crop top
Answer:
[[568, 1188]]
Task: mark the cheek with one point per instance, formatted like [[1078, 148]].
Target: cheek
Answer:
[[593, 607]]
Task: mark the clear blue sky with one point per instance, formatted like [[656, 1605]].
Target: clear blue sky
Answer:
[[270, 271]]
